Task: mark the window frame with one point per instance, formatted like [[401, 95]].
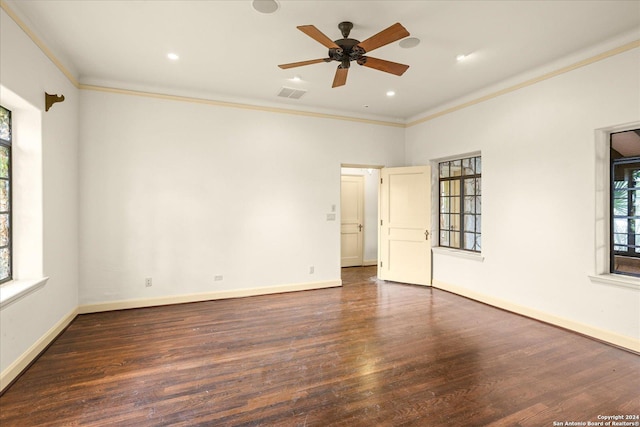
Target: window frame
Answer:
[[632, 245], [9, 212], [460, 179]]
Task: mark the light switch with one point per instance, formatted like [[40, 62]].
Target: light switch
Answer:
[[331, 217]]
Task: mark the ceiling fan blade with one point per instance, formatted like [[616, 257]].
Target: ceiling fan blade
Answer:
[[383, 65], [341, 76], [384, 37], [301, 63], [318, 36]]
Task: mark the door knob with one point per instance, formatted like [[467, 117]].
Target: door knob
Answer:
[[426, 234], [359, 227]]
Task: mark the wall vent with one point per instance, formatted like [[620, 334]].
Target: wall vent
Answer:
[[288, 92]]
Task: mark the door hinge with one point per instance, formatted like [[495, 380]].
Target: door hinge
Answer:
[[381, 223], [380, 180], [380, 263]]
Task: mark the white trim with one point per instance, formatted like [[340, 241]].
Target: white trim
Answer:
[[207, 296], [617, 280], [458, 253], [25, 359], [630, 343], [16, 289]]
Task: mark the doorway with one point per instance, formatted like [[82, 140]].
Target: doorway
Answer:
[[370, 175]]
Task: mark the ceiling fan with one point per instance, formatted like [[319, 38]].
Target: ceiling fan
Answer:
[[346, 50]]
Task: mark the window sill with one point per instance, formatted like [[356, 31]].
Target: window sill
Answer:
[[16, 289], [458, 253], [617, 280]]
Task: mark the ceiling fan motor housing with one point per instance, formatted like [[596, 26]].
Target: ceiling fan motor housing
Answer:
[[348, 51]]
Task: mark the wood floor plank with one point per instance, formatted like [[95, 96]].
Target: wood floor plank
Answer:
[[369, 353]]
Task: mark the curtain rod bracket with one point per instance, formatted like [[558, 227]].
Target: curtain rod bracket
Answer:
[[49, 100]]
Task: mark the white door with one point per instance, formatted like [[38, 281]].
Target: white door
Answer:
[[405, 225], [352, 220]]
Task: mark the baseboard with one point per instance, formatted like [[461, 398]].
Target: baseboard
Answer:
[[370, 262], [21, 363], [207, 296], [590, 331]]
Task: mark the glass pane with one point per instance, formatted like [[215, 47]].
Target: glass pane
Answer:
[[469, 204], [454, 205], [478, 186], [478, 224], [456, 168], [620, 225], [468, 166], [444, 188], [444, 238], [5, 270], [4, 229], [469, 241], [469, 223], [444, 222], [454, 239], [478, 242], [454, 222], [619, 248], [5, 124], [455, 188], [444, 204], [478, 204], [620, 239], [4, 161], [478, 165], [4, 196], [444, 170], [469, 187]]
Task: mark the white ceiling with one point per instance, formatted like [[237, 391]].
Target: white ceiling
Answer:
[[230, 52]]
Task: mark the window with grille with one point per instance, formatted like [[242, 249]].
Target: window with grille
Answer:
[[625, 202], [460, 203], [5, 195]]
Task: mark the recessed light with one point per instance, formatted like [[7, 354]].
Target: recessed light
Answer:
[[295, 79], [390, 93], [265, 6], [461, 57], [409, 42], [172, 56]]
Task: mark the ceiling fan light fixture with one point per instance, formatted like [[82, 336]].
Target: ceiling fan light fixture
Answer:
[[409, 42], [461, 57], [265, 6], [391, 93]]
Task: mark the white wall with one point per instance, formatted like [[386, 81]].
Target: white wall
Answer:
[[538, 206], [26, 73], [181, 192], [371, 184]]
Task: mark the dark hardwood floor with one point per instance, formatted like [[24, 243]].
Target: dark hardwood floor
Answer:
[[367, 354]]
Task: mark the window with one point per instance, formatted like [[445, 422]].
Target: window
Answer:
[[625, 202], [460, 203], [5, 195]]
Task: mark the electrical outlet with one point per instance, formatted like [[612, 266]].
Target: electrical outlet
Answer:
[[312, 269], [218, 278], [147, 282]]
